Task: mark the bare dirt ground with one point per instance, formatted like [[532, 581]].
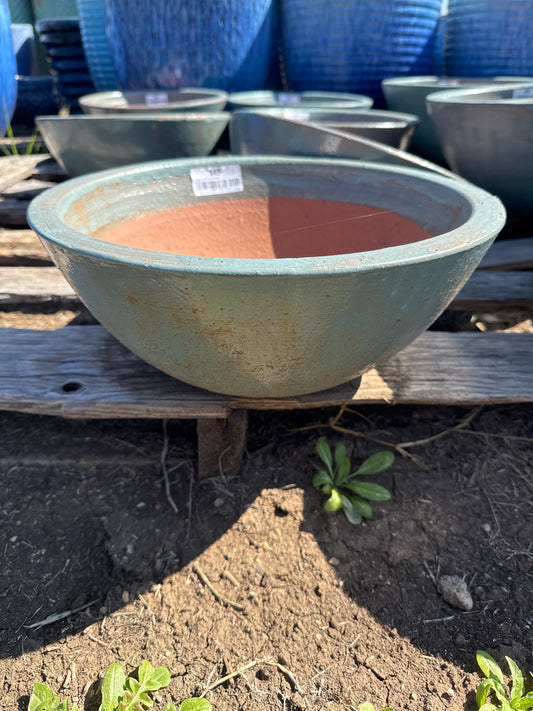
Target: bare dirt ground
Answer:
[[252, 576]]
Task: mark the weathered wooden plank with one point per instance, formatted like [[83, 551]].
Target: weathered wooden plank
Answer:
[[16, 168], [31, 285], [82, 371], [26, 189], [489, 291], [484, 290], [13, 212], [22, 248], [221, 444], [509, 254]]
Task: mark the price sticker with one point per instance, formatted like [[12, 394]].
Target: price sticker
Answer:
[[216, 180], [288, 97], [523, 93], [449, 82], [156, 98]]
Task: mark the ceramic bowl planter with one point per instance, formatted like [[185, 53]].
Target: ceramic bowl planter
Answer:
[[265, 277], [389, 127], [409, 94], [186, 99], [83, 144], [488, 37], [293, 99], [352, 46], [225, 44], [485, 135], [8, 70]]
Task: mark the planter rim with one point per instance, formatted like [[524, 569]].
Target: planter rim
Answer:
[[485, 221], [146, 117], [373, 118], [474, 96], [431, 81], [100, 99]]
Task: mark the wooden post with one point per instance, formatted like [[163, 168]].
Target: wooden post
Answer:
[[221, 444]]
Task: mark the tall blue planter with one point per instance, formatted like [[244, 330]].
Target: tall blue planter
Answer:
[[97, 51], [8, 68], [489, 37], [163, 44], [351, 46]]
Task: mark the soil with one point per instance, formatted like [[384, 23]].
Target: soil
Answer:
[[252, 579]]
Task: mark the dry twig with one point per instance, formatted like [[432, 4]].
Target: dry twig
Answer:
[[205, 580]]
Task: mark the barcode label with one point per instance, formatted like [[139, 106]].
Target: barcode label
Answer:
[[217, 180], [295, 114], [288, 97], [523, 93], [156, 98]]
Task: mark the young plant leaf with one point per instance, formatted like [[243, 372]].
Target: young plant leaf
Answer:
[[367, 706], [343, 472], [334, 503], [324, 452], [112, 687], [42, 698], [351, 513], [340, 453], [376, 463], [195, 704], [362, 506], [321, 479], [517, 681], [372, 492], [159, 678], [489, 666], [525, 703], [169, 707], [483, 691]]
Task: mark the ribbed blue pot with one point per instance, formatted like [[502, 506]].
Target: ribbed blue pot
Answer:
[[489, 37], [8, 68], [97, 51], [222, 44], [352, 46]]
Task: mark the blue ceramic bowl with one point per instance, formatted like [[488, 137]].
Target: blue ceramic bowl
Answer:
[[272, 327]]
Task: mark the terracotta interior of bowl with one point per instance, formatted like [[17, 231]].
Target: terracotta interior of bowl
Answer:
[[266, 228]]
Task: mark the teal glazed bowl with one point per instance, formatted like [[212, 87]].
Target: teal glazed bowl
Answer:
[[332, 267], [83, 144], [150, 101]]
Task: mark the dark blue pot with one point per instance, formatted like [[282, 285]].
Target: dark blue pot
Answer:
[[222, 44], [352, 46], [489, 37], [8, 68]]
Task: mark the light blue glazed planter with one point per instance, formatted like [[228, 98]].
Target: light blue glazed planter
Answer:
[[186, 99], [84, 144], [389, 127], [294, 99], [267, 327], [486, 137], [225, 44], [409, 94], [8, 69]]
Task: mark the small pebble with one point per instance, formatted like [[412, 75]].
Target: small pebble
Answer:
[[455, 591], [486, 527], [218, 502], [125, 597]]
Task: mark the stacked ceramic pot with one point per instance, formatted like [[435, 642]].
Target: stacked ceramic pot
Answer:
[[489, 37], [62, 41], [8, 83], [352, 46], [222, 44]]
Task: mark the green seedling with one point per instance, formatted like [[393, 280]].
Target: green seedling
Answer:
[[343, 486], [120, 692], [367, 706], [507, 697]]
